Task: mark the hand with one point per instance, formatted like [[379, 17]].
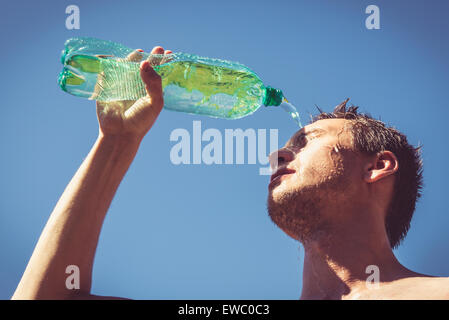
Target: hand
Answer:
[[133, 119]]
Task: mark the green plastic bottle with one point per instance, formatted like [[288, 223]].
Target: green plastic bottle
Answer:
[[97, 69]]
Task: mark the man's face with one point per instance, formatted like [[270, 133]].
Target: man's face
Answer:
[[316, 169]]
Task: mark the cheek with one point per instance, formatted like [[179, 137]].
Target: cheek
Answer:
[[319, 164]]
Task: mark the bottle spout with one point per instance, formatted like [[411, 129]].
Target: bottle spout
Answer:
[[273, 97]]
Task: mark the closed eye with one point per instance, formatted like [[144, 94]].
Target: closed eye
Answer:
[[301, 139]]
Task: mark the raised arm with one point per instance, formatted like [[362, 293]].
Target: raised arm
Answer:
[[71, 234]]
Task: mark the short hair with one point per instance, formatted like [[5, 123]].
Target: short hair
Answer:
[[372, 136]]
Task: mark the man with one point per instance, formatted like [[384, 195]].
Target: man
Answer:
[[345, 186]]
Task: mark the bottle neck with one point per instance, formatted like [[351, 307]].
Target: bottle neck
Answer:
[[273, 97]]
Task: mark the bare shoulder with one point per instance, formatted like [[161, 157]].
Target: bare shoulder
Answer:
[[420, 288]]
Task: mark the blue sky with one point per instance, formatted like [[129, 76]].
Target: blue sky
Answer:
[[202, 231]]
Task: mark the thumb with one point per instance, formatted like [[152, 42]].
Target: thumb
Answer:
[[152, 81]]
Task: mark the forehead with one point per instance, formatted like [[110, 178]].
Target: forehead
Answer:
[[332, 127]]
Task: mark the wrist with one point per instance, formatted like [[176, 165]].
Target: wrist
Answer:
[[120, 141]]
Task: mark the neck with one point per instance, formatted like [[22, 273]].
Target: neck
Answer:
[[336, 261]]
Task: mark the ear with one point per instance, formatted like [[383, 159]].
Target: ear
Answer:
[[382, 165]]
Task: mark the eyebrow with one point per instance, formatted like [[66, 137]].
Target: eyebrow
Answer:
[[305, 134]]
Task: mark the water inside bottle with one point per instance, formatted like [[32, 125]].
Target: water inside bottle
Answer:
[[291, 110]]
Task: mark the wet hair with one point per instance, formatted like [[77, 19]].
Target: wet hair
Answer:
[[371, 137]]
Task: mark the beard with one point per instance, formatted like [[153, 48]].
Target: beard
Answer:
[[301, 212]]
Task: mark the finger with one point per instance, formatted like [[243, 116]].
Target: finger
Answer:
[[157, 50], [153, 83], [156, 56], [135, 56], [168, 56]]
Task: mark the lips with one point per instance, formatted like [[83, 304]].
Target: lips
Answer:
[[281, 172]]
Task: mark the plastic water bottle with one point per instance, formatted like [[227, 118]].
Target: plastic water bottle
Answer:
[[97, 69]]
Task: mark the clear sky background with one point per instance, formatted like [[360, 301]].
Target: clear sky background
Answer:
[[199, 231]]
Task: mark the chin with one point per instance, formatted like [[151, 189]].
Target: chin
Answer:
[[281, 208], [281, 189], [296, 211]]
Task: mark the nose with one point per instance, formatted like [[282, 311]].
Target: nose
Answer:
[[281, 157]]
